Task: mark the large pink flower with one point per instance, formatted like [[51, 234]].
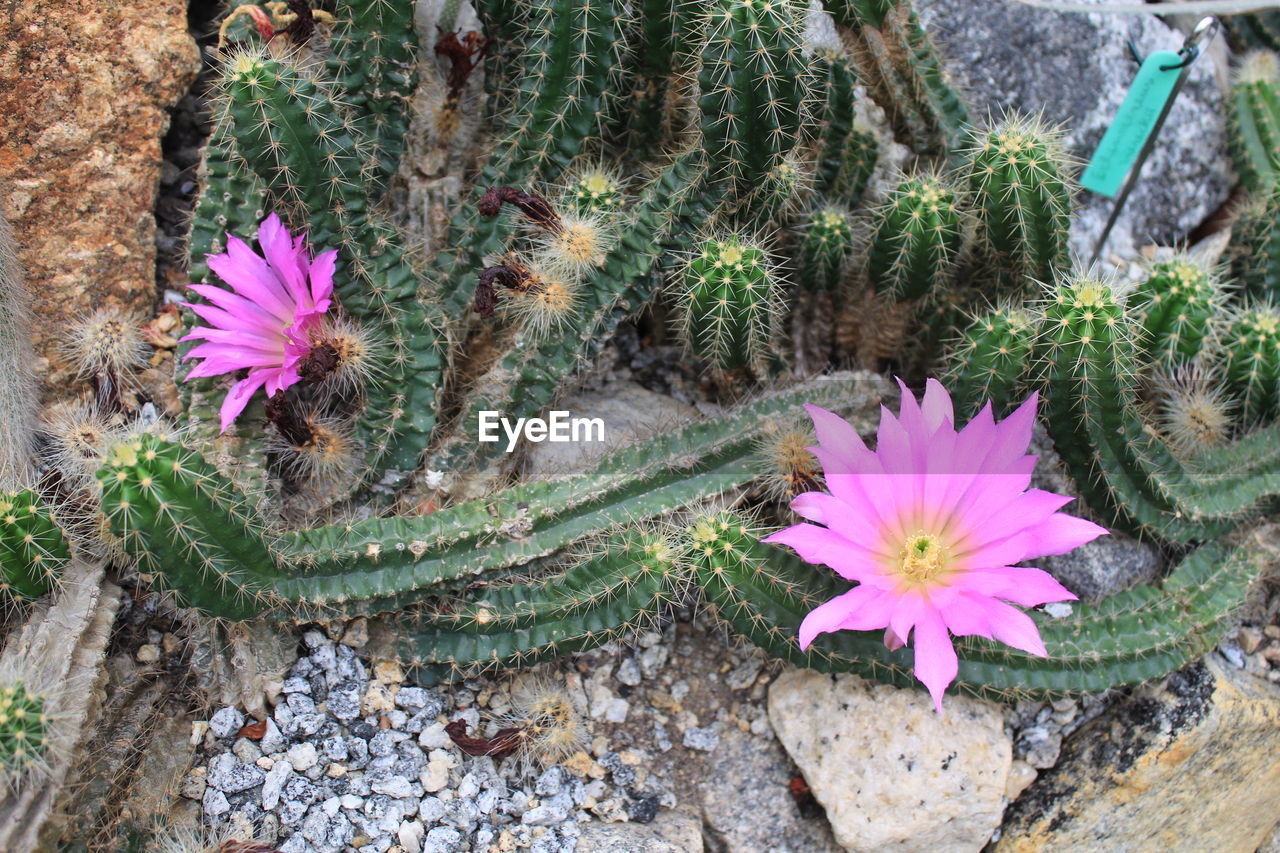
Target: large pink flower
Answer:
[[930, 525], [262, 322]]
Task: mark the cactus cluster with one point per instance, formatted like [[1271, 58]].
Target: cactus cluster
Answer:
[[644, 157]]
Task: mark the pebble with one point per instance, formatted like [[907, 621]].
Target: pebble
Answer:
[[703, 739], [302, 756], [226, 722]]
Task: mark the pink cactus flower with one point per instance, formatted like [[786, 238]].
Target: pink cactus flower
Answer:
[[262, 322], [930, 525]]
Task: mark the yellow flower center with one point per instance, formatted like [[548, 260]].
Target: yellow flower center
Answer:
[[922, 559]]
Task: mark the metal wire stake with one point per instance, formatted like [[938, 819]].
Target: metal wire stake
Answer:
[[1191, 49]]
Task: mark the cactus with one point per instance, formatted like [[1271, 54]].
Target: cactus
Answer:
[[1086, 355], [1255, 120], [846, 155], [24, 732], [991, 361], [897, 62], [190, 527], [1254, 252], [1017, 177], [730, 299], [1251, 361], [1175, 306], [33, 546], [606, 166], [917, 238], [828, 243], [763, 593]]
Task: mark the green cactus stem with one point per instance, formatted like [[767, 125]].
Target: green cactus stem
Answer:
[[826, 246], [1174, 308], [991, 361], [33, 546], [764, 593], [1255, 120], [916, 239], [1251, 361]]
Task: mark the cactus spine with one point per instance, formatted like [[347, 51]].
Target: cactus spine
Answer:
[[18, 401], [828, 243]]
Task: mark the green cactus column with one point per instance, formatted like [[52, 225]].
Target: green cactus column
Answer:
[[846, 155], [917, 238], [1255, 120], [1017, 177], [33, 546], [730, 301], [1251, 362], [827, 243], [24, 732], [991, 361], [1174, 308], [896, 60], [1254, 252], [753, 82]]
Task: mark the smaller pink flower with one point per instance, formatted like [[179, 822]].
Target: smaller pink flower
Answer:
[[262, 322], [930, 525]]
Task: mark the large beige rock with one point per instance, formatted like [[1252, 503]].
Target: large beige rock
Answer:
[[892, 774], [83, 92], [1185, 766]]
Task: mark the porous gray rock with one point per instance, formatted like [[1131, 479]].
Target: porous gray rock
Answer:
[[1105, 566], [746, 803], [1075, 69], [672, 831], [894, 775]]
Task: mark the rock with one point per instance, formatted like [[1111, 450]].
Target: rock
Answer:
[[746, 804], [1004, 54], [228, 775], [226, 722], [435, 777], [670, 832], [1105, 566], [83, 98], [302, 756], [1187, 764], [630, 414], [702, 738], [892, 773]]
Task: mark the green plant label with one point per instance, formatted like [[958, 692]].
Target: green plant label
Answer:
[[1133, 124]]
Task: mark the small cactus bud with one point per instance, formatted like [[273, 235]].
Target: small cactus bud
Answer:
[[1251, 361], [828, 241], [1173, 308], [917, 238], [730, 300]]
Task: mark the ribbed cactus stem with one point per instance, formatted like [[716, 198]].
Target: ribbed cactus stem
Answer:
[[1017, 177], [33, 546], [373, 56], [24, 732], [825, 250], [1254, 252], [1251, 361], [765, 592], [1174, 308], [846, 155], [897, 62], [614, 587], [991, 361], [753, 83], [916, 239], [730, 300], [1255, 120]]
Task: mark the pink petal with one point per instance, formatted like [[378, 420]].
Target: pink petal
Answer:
[[1019, 584], [283, 257], [860, 609], [965, 615], [937, 407], [990, 523], [1014, 628], [818, 545], [855, 522], [1060, 533], [935, 658], [907, 610], [321, 275], [238, 397]]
